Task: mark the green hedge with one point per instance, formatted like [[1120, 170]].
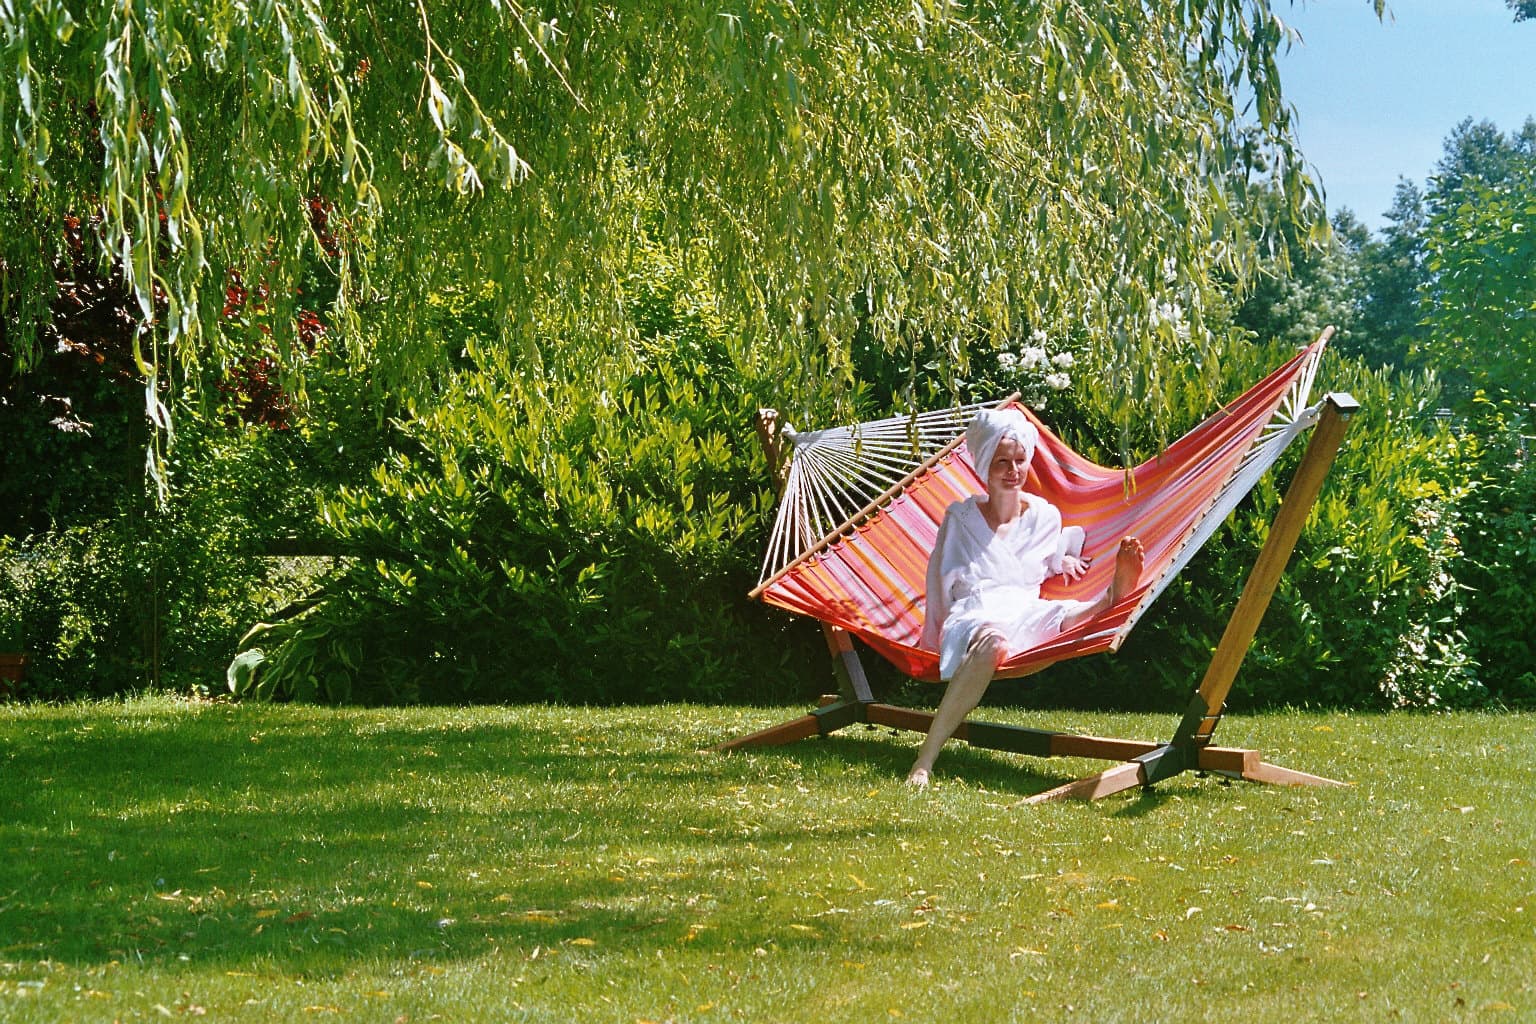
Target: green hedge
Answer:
[[555, 533]]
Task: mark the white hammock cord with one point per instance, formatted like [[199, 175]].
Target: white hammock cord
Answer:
[[836, 472]]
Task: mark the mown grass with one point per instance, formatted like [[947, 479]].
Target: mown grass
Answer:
[[159, 858]]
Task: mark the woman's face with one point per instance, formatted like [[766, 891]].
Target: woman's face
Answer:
[[1010, 465]]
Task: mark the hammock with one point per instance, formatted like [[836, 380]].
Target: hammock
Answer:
[[866, 573], [860, 510]]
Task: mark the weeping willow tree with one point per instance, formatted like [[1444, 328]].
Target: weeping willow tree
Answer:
[[921, 170]]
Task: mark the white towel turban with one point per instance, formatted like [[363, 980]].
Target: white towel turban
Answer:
[[989, 428]]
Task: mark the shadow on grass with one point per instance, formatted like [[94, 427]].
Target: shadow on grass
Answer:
[[883, 753], [304, 841]]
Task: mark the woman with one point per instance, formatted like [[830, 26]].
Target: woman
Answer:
[[984, 576]]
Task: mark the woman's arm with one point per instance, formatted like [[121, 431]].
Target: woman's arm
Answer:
[[1069, 560]]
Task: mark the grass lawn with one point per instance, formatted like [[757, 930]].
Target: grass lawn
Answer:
[[164, 859]]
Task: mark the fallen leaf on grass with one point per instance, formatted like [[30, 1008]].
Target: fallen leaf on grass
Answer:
[[914, 924]]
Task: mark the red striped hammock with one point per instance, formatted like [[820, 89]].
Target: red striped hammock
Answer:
[[867, 574]]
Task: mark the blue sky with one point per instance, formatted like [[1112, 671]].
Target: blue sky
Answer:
[[1376, 99]]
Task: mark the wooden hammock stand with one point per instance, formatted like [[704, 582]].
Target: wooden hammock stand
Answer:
[[1142, 763]]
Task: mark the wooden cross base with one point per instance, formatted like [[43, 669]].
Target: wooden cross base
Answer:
[[1144, 763]]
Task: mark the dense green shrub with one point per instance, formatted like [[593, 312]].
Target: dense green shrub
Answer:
[[587, 542], [62, 604], [1498, 542], [125, 604], [540, 534], [126, 595]]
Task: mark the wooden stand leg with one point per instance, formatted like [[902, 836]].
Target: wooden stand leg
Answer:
[[1232, 762], [834, 714], [1276, 775], [1243, 624], [785, 732], [1106, 783]]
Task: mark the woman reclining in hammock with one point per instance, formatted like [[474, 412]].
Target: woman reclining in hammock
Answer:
[[984, 576]]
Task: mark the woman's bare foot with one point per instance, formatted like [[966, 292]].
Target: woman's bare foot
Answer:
[[918, 778], [1130, 558]]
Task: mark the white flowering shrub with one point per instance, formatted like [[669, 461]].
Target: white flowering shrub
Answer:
[[1037, 368], [1431, 664]]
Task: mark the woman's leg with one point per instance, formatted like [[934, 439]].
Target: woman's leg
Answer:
[[960, 698]]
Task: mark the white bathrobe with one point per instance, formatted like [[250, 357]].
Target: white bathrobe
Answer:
[[977, 579]]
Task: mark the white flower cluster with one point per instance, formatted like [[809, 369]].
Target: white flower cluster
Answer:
[[1036, 358], [1172, 313]]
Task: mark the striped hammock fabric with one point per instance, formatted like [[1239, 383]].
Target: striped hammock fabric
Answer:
[[866, 573]]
